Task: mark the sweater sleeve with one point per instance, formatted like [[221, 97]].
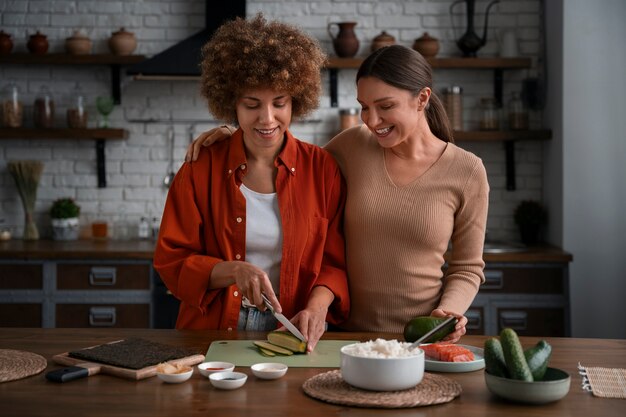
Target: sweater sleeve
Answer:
[[180, 255], [465, 267]]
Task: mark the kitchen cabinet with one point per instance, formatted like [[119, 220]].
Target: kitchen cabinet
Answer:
[[498, 65]]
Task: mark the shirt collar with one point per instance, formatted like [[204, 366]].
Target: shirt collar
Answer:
[[237, 154]]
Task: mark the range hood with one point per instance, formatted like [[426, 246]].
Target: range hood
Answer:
[[182, 60]]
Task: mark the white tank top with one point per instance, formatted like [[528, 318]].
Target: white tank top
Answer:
[[264, 234]]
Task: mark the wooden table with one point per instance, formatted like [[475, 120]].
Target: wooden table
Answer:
[[103, 395]]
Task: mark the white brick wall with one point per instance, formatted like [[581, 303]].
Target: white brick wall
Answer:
[[136, 166]]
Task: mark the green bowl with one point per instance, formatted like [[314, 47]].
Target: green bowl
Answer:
[[553, 387]]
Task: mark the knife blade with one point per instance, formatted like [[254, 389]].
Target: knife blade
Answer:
[[283, 320], [433, 331]]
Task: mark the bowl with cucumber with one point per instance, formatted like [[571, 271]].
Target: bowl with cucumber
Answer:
[[523, 375]]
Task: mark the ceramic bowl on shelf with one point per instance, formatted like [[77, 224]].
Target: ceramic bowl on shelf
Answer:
[[269, 370], [381, 373], [554, 386], [208, 368], [78, 44], [228, 380]]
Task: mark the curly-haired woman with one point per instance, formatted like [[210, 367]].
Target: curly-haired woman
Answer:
[[261, 213]]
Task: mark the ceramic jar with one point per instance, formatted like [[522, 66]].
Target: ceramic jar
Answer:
[[78, 44], [384, 39], [6, 43], [426, 45], [346, 44], [38, 44], [122, 42]]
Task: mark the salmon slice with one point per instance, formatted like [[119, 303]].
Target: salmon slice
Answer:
[[447, 352]]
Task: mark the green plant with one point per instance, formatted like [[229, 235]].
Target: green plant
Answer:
[[530, 213], [64, 208]]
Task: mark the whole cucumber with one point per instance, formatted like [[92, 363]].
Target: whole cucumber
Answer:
[[419, 326], [494, 358], [537, 358], [514, 356]]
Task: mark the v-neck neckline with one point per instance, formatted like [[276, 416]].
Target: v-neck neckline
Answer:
[[416, 179]]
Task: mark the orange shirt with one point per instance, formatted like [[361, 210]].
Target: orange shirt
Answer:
[[204, 223]]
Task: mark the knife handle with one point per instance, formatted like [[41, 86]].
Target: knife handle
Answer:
[[67, 374]]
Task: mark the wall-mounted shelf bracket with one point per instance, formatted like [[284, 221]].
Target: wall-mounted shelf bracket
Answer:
[[100, 163], [333, 74]]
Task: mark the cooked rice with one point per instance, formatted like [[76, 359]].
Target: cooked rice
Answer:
[[381, 348]]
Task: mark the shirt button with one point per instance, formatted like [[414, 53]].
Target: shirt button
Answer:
[[239, 219], [243, 166], [230, 171], [237, 256], [293, 170], [230, 329]]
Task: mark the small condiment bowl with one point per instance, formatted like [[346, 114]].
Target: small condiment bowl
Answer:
[[269, 370], [175, 378], [208, 368], [228, 380]]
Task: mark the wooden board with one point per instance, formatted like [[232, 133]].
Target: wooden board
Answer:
[[244, 353], [136, 374]]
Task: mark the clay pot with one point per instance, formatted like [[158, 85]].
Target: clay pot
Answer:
[[426, 45], [384, 39], [78, 44], [122, 42], [346, 44], [38, 44], [6, 43]]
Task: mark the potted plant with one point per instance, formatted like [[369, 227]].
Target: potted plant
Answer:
[[64, 214], [530, 216]]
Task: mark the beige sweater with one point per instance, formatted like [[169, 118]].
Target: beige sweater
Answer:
[[396, 237]]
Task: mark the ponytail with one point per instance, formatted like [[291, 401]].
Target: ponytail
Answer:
[[408, 70]]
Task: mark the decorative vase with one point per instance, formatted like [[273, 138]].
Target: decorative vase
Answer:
[[6, 43], [426, 45], [346, 44], [382, 40], [470, 42], [529, 234], [27, 175], [78, 44], [38, 44], [65, 229], [122, 42]]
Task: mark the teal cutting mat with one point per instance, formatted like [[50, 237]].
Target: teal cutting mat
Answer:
[[244, 353]]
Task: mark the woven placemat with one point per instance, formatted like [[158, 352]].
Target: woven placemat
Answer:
[[604, 382], [330, 387], [17, 364]]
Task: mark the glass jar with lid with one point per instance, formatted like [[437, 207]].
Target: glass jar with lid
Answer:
[[43, 109], [518, 115], [489, 114], [12, 108], [76, 111], [453, 103]]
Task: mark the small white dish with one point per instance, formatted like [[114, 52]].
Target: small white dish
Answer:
[[175, 378], [208, 368], [228, 380], [442, 366], [269, 370]]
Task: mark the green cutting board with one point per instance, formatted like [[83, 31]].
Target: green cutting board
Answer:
[[244, 353]]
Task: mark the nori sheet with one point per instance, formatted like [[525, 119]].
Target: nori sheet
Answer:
[[132, 353]]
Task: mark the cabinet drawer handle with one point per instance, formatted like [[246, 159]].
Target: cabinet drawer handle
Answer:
[[494, 280], [102, 276], [474, 320], [102, 316], [516, 320]]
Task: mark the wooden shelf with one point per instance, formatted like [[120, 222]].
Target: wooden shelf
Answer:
[[445, 62], [115, 63], [100, 135], [61, 133], [501, 135]]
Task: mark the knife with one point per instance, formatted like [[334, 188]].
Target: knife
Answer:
[[433, 331], [283, 320]]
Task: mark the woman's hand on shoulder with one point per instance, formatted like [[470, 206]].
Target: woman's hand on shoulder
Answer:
[[207, 139], [459, 328]]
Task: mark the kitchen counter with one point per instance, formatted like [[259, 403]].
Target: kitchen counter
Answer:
[[143, 249], [104, 395]]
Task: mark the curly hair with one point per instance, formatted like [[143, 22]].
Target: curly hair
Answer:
[[254, 53]]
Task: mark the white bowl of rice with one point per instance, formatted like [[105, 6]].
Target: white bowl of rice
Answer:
[[382, 365]]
